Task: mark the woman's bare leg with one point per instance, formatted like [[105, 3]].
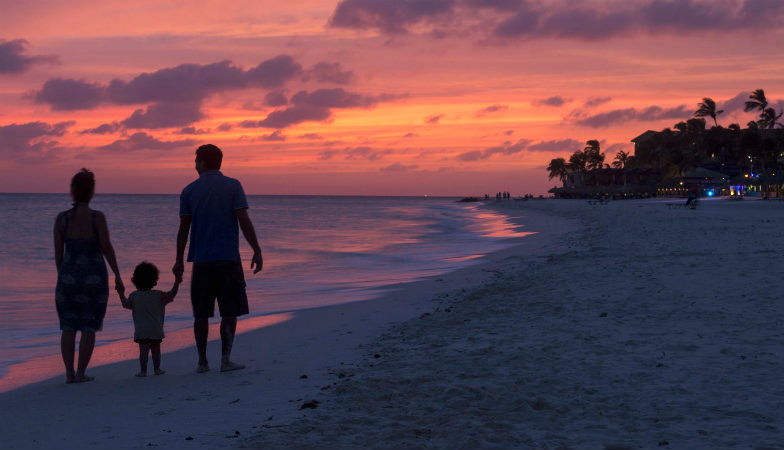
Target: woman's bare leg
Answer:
[[68, 349], [86, 346]]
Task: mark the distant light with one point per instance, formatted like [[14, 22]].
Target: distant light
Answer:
[[710, 193]]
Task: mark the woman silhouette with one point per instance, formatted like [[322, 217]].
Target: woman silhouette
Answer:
[[81, 241]]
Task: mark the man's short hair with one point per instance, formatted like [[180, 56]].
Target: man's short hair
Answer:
[[83, 186], [211, 155]]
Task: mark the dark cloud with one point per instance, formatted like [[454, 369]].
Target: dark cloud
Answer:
[[273, 137], [275, 72], [410, 135], [174, 95], [183, 83], [165, 115], [434, 118], [65, 94], [14, 58], [397, 167], [290, 116], [596, 101], [734, 104], [143, 141], [556, 101], [337, 98], [20, 140], [192, 131], [312, 136], [491, 109], [325, 72], [225, 127], [315, 106], [327, 155], [617, 116], [501, 5], [389, 16], [363, 152], [473, 155], [562, 145], [505, 149], [276, 98], [106, 128], [566, 19]]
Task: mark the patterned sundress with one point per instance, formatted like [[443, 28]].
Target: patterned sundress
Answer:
[[82, 283]]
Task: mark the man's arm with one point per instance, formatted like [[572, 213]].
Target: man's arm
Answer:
[[182, 241], [257, 262], [168, 297]]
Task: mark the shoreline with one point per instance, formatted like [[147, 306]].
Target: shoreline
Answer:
[[649, 327], [317, 343]]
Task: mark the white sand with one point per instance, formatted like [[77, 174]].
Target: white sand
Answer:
[[630, 325]]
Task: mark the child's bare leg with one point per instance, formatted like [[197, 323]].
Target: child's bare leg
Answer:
[[155, 347], [144, 350], [86, 346], [68, 349]]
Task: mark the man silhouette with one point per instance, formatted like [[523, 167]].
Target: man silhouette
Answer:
[[211, 208]]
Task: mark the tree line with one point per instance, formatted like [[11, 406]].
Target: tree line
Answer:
[[689, 144]]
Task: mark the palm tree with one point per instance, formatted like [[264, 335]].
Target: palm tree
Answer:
[[708, 108], [757, 102], [621, 159], [768, 118], [594, 159], [734, 127], [558, 169]]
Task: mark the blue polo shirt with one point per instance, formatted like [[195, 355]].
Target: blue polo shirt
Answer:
[[211, 201]]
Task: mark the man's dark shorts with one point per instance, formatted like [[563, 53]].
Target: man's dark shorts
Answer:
[[223, 280]]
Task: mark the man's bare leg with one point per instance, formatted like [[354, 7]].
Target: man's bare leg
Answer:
[[228, 329], [201, 330]]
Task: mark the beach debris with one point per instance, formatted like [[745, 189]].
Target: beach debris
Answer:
[[604, 314], [189, 438], [377, 355], [303, 376], [424, 315], [232, 436], [663, 443], [312, 404], [236, 400]]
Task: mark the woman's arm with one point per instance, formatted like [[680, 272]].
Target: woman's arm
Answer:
[[58, 242], [107, 249]]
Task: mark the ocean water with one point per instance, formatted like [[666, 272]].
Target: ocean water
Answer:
[[317, 251]]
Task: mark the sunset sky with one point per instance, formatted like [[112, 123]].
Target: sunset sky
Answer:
[[376, 97]]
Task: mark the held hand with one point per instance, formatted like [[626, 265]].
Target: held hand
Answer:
[[178, 270], [257, 262], [119, 286]]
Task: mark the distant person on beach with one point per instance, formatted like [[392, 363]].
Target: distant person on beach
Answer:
[[81, 242], [211, 209], [148, 308], [692, 196]]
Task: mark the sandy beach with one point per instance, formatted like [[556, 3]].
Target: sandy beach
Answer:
[[627, 325]]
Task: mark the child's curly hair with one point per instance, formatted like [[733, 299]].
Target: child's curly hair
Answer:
[[145, 276]]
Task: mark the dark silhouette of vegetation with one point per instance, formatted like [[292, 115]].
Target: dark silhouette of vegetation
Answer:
[[756, 151], [708, 108]]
